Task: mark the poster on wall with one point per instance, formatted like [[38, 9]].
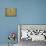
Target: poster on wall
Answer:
[[10, 11]]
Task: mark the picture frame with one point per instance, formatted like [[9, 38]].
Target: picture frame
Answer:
[[10, 12]]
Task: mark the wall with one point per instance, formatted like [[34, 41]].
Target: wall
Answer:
[[28, 12]]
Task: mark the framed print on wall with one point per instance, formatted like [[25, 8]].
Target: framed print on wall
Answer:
[[10, 11], [33, 32]]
